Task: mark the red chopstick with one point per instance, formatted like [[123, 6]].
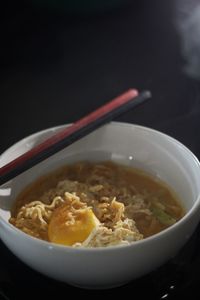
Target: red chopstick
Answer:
[[77, 130]]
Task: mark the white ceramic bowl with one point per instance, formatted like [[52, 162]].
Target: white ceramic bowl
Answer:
[[107, 267]]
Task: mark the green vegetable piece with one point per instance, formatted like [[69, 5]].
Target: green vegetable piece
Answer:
[[162, 216]]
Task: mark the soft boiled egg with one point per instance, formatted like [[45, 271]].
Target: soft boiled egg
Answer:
[[68, 226]]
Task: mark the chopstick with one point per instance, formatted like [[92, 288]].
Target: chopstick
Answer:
[[69, 135]]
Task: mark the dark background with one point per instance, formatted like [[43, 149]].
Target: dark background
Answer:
[[59, 63]]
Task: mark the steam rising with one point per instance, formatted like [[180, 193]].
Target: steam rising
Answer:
[[189, 28]]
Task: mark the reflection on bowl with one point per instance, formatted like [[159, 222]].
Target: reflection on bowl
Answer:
[[127, 144]]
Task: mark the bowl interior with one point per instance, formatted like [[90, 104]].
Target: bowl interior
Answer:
[[127, 144]]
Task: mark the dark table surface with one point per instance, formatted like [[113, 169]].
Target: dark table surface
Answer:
[[57, 66]]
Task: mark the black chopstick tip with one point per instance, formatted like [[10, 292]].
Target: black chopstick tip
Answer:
[[143, 96], [146, 94]]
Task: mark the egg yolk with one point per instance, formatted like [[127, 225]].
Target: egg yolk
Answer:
[[67, 229]]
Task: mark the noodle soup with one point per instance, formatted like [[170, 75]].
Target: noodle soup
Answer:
[[77, 259], [96, 205]]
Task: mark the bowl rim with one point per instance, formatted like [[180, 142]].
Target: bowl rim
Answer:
[[8, 226]]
